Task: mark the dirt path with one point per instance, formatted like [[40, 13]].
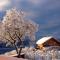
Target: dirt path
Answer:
[[2, 57]]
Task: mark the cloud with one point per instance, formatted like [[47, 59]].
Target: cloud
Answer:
[[35, 2], [45, 12], [3, 4]]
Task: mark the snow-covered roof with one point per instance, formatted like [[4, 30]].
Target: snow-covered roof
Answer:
[[44, 39]]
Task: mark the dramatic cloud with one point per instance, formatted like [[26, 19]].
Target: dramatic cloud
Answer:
[[3, 4], [35, 2], [45, 12]]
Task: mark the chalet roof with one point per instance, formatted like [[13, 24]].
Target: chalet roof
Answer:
[[44, 39], [58, 40]]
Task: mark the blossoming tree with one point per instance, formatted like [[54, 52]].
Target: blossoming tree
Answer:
[[14, 29]]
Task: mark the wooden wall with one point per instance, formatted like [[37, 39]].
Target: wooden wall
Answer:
[[51, 42]]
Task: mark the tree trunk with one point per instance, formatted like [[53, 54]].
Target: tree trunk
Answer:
[[20, 48], [19, 53], [16, 49]]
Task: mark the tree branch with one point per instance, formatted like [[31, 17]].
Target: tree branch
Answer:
[[10, 36]]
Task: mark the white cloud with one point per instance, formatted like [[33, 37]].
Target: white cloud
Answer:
[[4, 3], [38, 2], [34, 1]]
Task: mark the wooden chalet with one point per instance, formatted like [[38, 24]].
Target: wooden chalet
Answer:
[[46, 42]]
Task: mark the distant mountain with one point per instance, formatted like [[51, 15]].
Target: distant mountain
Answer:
[[2, 13]]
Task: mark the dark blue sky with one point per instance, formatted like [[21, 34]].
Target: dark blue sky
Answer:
[[46, 13]]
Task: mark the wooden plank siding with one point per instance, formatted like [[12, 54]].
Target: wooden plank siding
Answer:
[[50, 42]]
